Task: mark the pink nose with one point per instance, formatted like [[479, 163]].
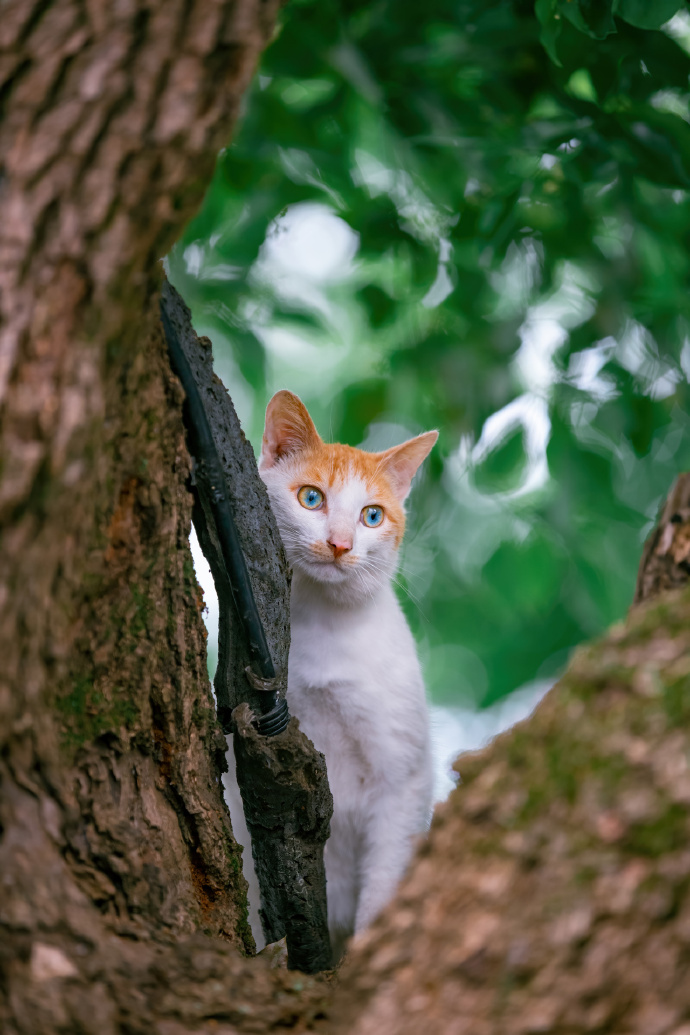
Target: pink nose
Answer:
[[339, 546]]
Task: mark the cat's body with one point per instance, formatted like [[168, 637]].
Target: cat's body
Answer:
[[354, 680]]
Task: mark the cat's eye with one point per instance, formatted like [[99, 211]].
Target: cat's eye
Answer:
[[310, 498], [372, 516]]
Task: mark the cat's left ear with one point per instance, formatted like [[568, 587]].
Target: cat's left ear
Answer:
[[289, 429], [401, 462]]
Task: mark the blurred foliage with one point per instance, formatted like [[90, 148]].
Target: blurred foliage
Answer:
[[472, 215]]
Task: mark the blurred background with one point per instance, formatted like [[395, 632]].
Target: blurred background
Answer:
[[471, 216]]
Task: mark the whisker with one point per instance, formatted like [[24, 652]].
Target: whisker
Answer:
[[376, 567]]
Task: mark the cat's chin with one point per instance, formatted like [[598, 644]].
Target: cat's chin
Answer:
[[329, 573], [345, 584]]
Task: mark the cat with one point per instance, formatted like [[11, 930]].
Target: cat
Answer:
[[354, 680]]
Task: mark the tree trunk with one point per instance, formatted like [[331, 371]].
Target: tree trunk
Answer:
[[114, 838]]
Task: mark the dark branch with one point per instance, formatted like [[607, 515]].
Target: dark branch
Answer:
[[282, 780]]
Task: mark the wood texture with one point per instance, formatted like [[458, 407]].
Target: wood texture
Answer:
[[282, 779], [665, 560], [113, 830]]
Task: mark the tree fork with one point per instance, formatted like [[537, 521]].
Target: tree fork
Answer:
[[112, 117]]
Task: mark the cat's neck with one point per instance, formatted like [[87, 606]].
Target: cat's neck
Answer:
[[308, 594]]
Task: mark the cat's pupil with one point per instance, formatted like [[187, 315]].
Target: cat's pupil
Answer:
[[372, 516], [310, 497]]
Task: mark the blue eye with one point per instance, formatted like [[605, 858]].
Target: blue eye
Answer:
[[372, 516], [310, 498]]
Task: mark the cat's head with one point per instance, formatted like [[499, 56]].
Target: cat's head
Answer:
[[339, 509]]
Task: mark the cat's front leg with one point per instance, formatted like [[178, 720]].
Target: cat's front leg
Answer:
[[340, 858], [393, 831]]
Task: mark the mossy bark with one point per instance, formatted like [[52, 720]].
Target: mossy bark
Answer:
[[114, 838]]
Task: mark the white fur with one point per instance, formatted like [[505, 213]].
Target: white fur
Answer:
[[356, 687]]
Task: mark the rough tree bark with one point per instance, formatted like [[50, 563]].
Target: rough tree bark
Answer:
[[115, 843], [665, 560]]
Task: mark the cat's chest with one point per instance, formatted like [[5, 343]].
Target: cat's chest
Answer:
[[354, 684], [358, 648]]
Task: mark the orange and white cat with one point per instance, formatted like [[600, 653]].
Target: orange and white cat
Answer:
[[354, 681]]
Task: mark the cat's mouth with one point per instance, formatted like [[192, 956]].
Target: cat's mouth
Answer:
[[324, 557], [330, 569]]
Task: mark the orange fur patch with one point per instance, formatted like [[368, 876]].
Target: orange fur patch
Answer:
[[330, 466], [290, 437]]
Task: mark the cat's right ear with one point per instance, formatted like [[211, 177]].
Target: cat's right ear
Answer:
[[289, 429]]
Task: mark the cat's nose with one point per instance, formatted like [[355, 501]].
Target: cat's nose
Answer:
[[339, 546]]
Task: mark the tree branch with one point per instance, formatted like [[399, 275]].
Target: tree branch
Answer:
[[665, 560], [283, 779]]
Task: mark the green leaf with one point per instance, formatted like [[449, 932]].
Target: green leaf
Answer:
[[580, 85], [551, 25], [647, 14], [593, 17]]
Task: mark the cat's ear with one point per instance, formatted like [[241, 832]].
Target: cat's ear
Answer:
[[401, 462], [289, 429]]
